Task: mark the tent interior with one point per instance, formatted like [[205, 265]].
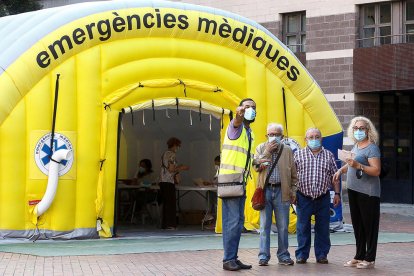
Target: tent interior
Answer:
[[143, 135]]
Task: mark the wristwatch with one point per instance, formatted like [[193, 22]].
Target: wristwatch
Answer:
[[339, 194]]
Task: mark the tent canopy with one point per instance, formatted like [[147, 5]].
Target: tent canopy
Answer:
[[116, 54]]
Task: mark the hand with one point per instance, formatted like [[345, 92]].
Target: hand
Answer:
[[352, 163], [240, 111], [336, 200], [271, 147], [264, 163]]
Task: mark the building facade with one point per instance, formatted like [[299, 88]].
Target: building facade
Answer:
[[361, 53]]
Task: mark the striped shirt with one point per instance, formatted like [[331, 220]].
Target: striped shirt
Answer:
[[275, 177], [315, 172]]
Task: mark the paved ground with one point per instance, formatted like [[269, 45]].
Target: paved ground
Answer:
[[392, 258]]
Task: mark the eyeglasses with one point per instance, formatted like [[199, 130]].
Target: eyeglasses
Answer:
[[359, 128], [274, 135]]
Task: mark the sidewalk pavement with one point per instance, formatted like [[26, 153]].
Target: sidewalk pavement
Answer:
[[392, 258]]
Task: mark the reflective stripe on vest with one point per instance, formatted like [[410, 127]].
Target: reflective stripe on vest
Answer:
[[236, 148], [233, 158]]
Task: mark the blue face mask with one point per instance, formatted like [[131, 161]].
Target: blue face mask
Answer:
[[141, 170], [314, 144], [359, 135], [250, 114], [278, 139]]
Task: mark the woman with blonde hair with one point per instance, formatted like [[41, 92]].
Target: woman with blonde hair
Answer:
[[364, 189]]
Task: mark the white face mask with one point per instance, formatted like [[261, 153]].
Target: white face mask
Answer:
[[217, 167], [278, 139], [249, 114]]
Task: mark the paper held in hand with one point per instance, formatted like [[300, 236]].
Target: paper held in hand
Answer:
[[344, 154]]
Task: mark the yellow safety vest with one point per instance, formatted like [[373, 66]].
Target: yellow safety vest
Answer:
[[233, 158]]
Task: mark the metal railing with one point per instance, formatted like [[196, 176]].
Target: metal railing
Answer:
[[366, 42], [384, 39]]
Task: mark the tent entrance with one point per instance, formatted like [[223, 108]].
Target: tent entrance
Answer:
[[143, 134]]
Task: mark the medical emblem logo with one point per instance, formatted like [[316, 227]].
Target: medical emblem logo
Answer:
[[42, 152], [291, 143]]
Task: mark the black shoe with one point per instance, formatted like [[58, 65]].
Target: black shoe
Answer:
[[322, 261], [263, 262], [286, 262], [242, 265], [231, 266], [300, 261]]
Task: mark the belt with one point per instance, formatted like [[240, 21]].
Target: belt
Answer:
[[277, 184], [316, 198]]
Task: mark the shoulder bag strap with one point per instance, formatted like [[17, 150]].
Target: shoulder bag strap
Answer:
[[249, 137], [279, 153]]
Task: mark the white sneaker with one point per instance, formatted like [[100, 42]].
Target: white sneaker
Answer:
[[365, 265], [352, 263]]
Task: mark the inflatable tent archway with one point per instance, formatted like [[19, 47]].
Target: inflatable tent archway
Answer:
[[111, 55]]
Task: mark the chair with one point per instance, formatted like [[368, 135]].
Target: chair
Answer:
[[150, 208]]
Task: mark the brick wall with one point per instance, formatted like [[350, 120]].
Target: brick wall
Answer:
[[344, 111], [333, 32], [275, 28], [369, 109], [333, 75], [384, 68]]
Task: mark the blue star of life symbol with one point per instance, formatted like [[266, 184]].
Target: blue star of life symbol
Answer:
[[47, 151]]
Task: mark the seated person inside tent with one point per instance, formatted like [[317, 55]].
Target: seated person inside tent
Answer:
[[143, 175], [140, 198], [202, 183]]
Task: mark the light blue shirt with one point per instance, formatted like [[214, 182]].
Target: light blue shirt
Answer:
[[369, 185]]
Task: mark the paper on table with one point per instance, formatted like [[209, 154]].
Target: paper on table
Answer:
[[344, 154]]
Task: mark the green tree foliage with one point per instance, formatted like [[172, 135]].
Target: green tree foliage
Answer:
[[9, 7]]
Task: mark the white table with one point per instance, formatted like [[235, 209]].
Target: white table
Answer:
[[181, 190], [140, 186], [122, 186]]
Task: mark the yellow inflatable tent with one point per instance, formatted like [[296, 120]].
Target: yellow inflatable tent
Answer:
[[128, 55]]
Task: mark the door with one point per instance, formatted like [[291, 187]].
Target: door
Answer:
[[396, 142]]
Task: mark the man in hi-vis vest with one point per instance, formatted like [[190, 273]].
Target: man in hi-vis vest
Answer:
[[235, 166]]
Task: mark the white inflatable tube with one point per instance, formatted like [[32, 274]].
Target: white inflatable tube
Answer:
[[52, 182]]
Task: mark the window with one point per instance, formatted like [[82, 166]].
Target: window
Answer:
[[375, 24], [295, 31], [409, 21]]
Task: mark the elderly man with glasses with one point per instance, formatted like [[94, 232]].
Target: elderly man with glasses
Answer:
[[316, 168], [279, 185]]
